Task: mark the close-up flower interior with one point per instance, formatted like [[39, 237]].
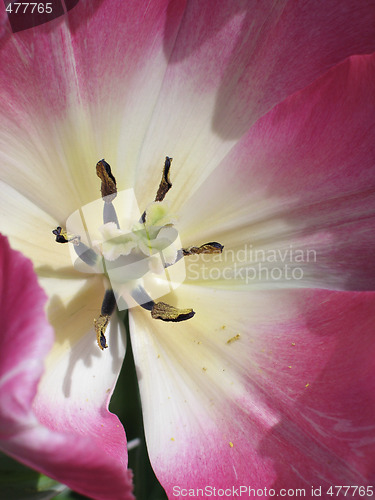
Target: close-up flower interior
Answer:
[[187, 249]]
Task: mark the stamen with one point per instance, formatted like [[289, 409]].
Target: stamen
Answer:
[[108, 187], [108, 190], [165, 183], [160, 310], [85, 253], [109, 214], [109, 303], [212, 247], [165, 312], [164, 186], [62, 236], [100, 324], [140, 295]]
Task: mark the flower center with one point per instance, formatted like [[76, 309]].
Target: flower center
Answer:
[[146, 238], [142, 258]]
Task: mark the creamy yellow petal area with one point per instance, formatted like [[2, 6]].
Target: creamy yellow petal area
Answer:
[[29, 229], [71, 310]]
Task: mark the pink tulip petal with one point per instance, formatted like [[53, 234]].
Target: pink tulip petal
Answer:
[[89, 458], [256, 54], [170, 78], [302, 179], [70, 96], [278, 48], [288, 403], [230, 65]]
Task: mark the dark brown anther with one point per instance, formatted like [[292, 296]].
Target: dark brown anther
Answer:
[[160, 310], [108, 187], [100, 325], [63, 237], [165, 312], [212, 247], [165, 183]]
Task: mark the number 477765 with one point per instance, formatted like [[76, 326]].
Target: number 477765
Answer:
[[350, 491], [26, 7]]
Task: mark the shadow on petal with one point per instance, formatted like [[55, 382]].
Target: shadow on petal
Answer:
[[75, 341]]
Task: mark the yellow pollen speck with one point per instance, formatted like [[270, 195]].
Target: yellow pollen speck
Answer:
[[199, 342], [223, 327], [293, 343], [307, 385], [231, 444], [233, 339], [289, 366], [158, 356], [172, 439], [204, 369]]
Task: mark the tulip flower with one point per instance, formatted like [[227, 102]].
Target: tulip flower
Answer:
[[267, 111]]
